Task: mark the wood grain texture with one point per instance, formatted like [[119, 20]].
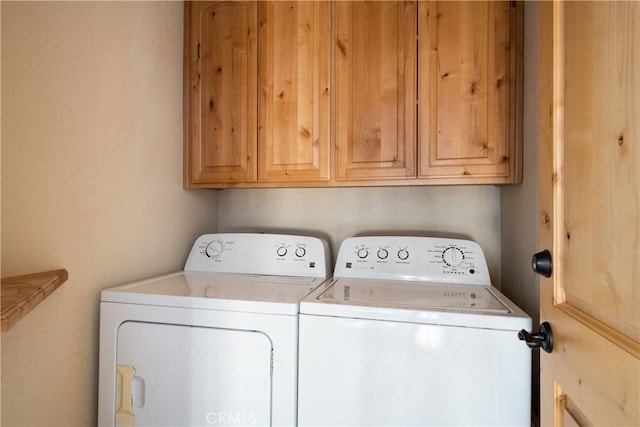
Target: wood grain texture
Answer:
[[470, 126], [222, 77], [375, 111], [589, 186], [469, 81], [21, 294], [294, 84], [602, 163]]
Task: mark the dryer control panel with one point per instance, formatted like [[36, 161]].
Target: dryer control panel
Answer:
[[258, 253], [430, 259]]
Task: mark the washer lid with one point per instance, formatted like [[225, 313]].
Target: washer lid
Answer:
[[413, 295], [218, 291], [417, 302]]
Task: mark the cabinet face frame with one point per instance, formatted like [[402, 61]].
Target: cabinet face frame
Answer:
[[469, 87], [220, 104], [294, 83]]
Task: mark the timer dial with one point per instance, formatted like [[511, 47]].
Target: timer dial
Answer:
[[383, 253], [453, 256], [282, 251], [300, 251], [403, 254], [362, 253], [214, 249]]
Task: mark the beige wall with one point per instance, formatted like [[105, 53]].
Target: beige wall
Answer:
[[91, 182], [337, 213]]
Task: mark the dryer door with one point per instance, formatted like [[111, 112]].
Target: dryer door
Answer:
[[184, 376]]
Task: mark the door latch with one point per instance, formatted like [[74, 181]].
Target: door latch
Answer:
[[541, 339]]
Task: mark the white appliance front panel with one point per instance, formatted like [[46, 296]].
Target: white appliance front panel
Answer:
[[194, 376], [426, 259], [282, 333], [218, 291], [259, 253], [356, 372]]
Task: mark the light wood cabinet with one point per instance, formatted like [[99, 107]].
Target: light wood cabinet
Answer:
[[294, 85], [258, 94], [220, 92], [375, 110], [469, 76], [317, 94]]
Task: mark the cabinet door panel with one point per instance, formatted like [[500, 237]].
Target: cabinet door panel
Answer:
[[375, 109], [223, 75], [294, 85], [467, 89]]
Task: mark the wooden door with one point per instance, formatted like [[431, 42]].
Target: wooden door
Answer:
[[590, 201], [375, 105], [469, 88], [220, 102], [294, 83]]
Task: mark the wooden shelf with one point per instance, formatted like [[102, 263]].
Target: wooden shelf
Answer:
[[21, 294]]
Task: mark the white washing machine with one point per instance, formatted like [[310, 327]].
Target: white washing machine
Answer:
[[411, 332], [215, 344]]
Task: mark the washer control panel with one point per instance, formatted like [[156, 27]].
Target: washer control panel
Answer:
[[258, 253], [431, 259]]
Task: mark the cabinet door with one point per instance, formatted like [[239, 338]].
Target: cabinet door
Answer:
[[467, 90], [294, 91], [220, 106], [375, 106]]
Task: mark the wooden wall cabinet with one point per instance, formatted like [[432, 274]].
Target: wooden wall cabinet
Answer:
[[294, 75], [375, 79], [424, 93], [220, 92], [257, 103], [470, 77]]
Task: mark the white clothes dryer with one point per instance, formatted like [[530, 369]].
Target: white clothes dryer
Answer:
[[411, 332], [215, 344]]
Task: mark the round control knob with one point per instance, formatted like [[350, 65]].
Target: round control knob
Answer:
[[403, 254], [362, 253], [453, 256], [214, 249], [282, 251], [300, 251], [383, 253]]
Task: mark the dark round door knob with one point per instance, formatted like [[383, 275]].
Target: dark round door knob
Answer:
[[542, 263]]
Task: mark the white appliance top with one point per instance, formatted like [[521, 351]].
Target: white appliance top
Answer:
[[218, 291], [256, 273], [414, 279], [417, 295]]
